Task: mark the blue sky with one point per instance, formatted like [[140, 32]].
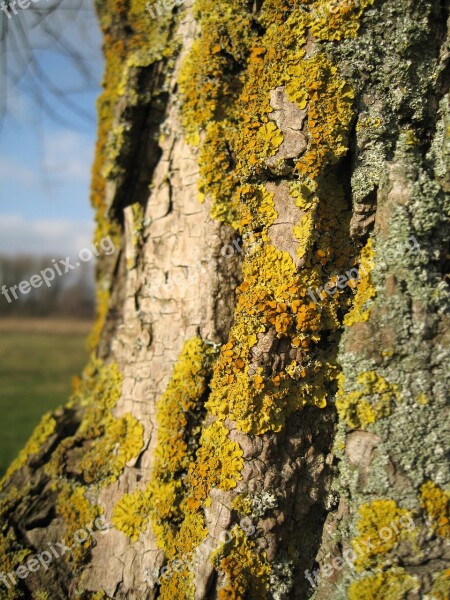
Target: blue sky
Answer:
[[45, 163]]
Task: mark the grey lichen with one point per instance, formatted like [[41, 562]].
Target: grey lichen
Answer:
[[282, 578]]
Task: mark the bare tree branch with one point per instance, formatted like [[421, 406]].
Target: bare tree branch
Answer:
[[25, 38]]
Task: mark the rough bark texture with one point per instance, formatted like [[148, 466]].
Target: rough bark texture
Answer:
[[244, 434]]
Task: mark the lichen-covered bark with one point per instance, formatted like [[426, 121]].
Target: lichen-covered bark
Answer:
[[266, 390]]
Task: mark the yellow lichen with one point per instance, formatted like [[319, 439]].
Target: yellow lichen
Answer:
[[101, 309], [114, 443], [131, 514], [372, 400], [236, 139], [365, 290], [41, 433], [219, 463], [186, 466], [422, 399], [132, 42], [270, 138], [247, 571], [337, 20], [226, 82], [243, 504], [393, 584], [103, 444], [273, 297], [100, 595], [78, 513], [178, 415], [381, 523], [147, 41], [100, 385], [223, 110], [441, 585], [304, 233], [189, 536], [12, 552], [436, 502]]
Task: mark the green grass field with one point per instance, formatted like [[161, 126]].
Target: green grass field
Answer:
[[36, 366]]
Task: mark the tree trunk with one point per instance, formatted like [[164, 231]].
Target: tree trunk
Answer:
[[262, 415]]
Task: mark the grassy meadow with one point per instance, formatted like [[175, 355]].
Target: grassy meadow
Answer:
[[37, 361]]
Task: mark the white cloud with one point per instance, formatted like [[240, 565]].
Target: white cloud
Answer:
[[68, 156], [11, 170], [67, 160], [20, 106], [55, 237]]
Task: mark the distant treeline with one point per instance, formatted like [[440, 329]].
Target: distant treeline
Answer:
[[71, 295]]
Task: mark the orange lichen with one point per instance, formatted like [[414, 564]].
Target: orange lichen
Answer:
[[246, 570], [219, 463]]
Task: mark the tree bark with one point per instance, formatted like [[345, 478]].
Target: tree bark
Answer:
[[263, 413]]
